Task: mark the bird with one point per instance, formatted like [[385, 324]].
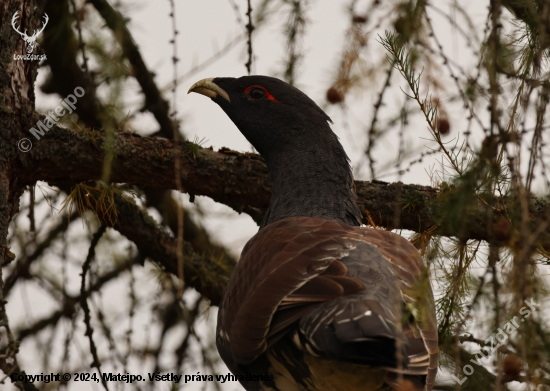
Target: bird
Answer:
[[317, 302]]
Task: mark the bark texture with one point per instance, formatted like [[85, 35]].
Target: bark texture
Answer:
[[241, 181]]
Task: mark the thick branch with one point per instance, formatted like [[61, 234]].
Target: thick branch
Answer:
[[65, 74], [207, 273], [240, 181]]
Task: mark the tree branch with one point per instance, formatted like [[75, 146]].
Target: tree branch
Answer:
[[61, 46], [241, 181], [154, 102], [208, 273]]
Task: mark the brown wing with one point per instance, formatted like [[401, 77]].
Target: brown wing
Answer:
[[315, 272], [417, 295], [286, 267]]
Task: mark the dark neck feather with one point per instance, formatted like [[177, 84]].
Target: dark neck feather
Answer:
[[312, 181]]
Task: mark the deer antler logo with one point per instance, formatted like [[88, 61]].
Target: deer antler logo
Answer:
[[30, 41]]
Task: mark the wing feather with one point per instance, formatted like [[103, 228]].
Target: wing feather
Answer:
[[315, 272]]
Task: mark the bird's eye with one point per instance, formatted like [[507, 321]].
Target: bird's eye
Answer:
[[257, 93]]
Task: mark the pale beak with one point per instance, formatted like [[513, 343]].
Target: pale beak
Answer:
[[208, 88]]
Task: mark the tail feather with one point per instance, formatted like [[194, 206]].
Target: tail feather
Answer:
[[351, 331], [362, 332]]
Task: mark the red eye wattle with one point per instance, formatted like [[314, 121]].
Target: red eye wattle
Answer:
[[257, 92]]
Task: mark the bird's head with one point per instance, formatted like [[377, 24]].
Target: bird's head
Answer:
[[308, 166], [271, 114]]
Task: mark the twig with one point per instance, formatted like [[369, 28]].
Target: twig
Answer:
[[237, 12], [212, 59], [68, 302], [153, 98], [537, 135], [446, 62], [177, 162], [31, 209], [84, 302], [372, 130], [24, 262], [402, 62], [81, 43], [249, 29], [295, 29]]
